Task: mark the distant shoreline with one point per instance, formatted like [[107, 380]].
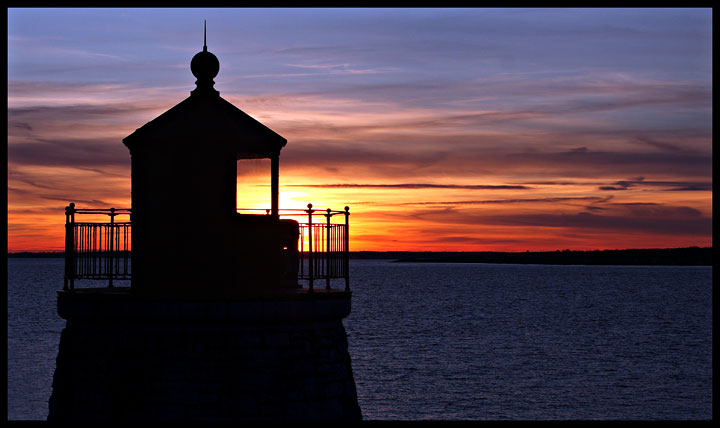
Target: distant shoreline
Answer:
[[689, 256], [37, 255], [692, 256]]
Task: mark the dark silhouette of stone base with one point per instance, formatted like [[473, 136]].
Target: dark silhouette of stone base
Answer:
[[123, 357]]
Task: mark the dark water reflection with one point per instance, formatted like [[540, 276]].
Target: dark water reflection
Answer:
[[474, 341], [470, 341]]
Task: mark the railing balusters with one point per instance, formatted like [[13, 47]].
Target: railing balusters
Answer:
[[301, 244], [93, 249], [69, 246], [311, 269], [347, 248], [111, 233], [327, 252]]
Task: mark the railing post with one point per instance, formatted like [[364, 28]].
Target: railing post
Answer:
[[347, 249], [111, 247], [310, 250], [69, 246], [274, 184], [327, 252]]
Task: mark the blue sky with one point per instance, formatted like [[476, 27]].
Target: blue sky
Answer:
[[559, 103]]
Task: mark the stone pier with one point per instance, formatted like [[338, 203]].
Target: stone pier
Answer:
[[124, 357]]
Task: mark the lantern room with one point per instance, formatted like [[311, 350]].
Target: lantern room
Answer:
[[187, 234]]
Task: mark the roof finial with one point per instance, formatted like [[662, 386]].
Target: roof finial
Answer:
[[205, 36], [205, 67]]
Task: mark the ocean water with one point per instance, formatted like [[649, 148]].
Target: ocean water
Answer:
[[438, 341]]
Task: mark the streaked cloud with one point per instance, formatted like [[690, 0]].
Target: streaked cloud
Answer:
[[591, 199], [447, 129], [410, 186], [641, 217]]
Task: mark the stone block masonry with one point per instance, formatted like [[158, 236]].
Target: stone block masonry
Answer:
[[203, 366]]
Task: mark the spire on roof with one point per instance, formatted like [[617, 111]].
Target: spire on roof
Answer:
[[205, 66]]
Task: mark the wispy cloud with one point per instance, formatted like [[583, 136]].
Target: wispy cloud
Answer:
[[411, 186], [94, 154], [550, 200], [685, 186], [460, 128], [642, 218]]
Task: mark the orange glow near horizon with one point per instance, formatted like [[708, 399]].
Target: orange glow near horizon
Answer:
[[414, 220], [534, 144], [448, 214]]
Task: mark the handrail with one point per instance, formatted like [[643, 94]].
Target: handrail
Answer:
[[101, 250], [96, 250], [290, 211], [327, 257]]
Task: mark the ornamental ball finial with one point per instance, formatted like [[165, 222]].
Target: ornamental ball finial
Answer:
[[204, 65]]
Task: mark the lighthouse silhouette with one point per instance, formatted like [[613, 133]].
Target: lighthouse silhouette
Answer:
[[215, 324], [184, 190]]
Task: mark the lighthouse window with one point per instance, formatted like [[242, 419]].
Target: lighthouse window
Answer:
[[253, 184]]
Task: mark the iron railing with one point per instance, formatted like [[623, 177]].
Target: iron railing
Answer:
[[102, 250], [96, 250], [323, 248]]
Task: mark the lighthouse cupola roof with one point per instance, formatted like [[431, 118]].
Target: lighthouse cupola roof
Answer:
[[204, 119]]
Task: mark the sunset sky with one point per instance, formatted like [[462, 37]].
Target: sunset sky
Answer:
[[442, 129]]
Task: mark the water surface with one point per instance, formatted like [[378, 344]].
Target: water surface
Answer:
[[469, 341]]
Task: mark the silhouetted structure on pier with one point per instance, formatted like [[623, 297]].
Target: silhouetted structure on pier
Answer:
[[215, 324], [184, 190]]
